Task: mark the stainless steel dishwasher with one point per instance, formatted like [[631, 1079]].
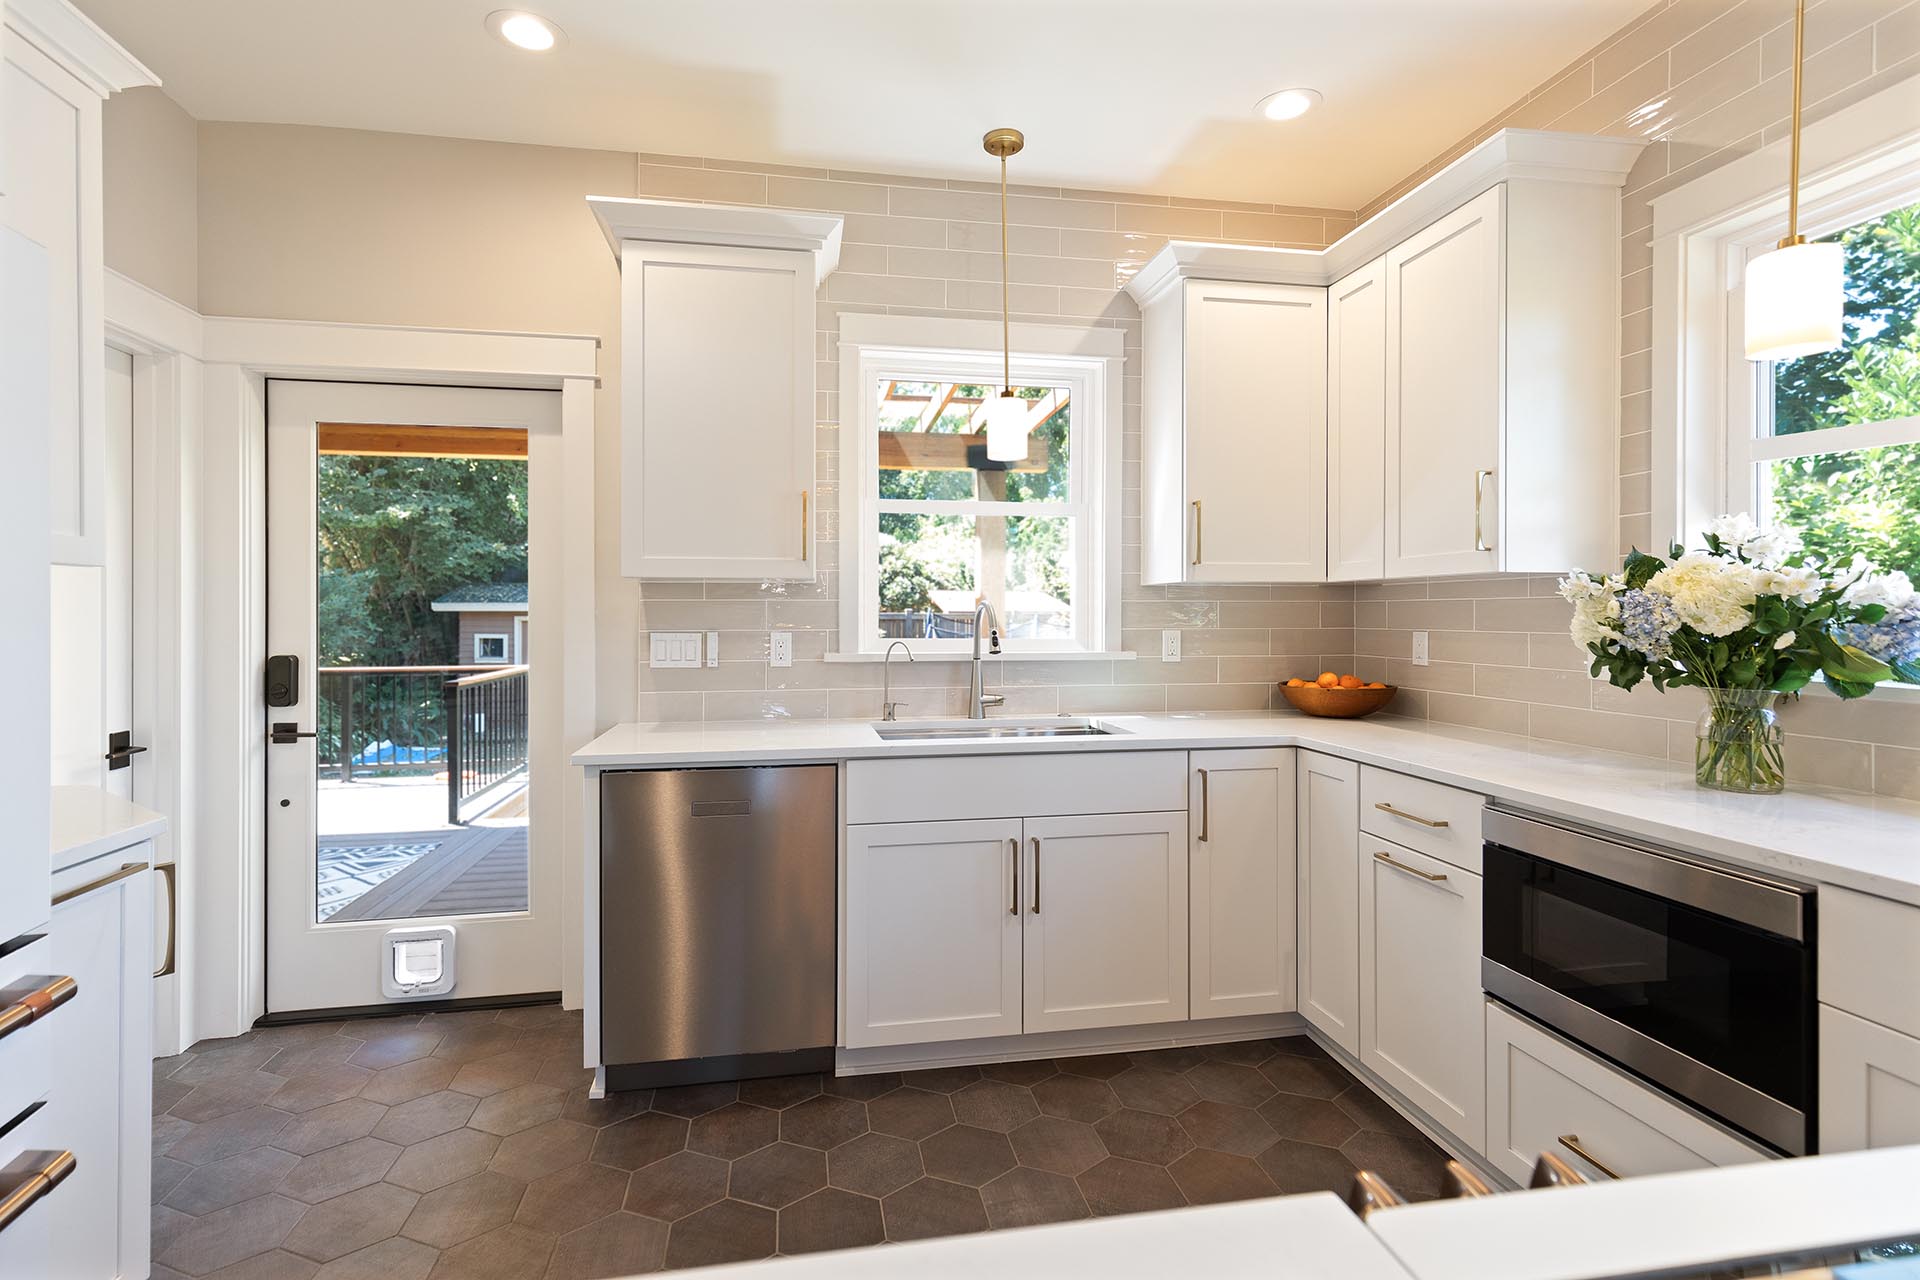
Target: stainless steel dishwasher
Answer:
[[718, 892]]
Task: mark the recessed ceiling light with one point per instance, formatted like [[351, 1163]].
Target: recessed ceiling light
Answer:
[[523, 30], [1288, 104]]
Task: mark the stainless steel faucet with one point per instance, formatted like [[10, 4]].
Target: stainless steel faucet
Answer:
[[978, 700], [887, 705]]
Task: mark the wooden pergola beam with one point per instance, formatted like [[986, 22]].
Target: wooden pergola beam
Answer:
[[944, 451], [396, 440]]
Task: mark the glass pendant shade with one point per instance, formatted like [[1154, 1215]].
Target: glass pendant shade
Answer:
[[1006, 416], [1795, 301]]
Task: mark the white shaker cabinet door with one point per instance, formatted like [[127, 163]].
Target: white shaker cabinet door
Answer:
[[933, 926], [1357, 425], [717, 413], [1241, 877], [1255, 440], [1420, 998], [1869, 1084], [1106, 921], [1328, 879], [1445, 290]]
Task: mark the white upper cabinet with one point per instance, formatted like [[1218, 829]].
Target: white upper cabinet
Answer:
[[1234, 433], [717, 391], [1357, 425], [1443, 294]]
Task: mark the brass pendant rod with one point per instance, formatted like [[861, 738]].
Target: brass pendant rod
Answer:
[[1793, 177], [1006, 323]]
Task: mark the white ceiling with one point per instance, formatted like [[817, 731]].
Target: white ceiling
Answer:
[[1137, 95]]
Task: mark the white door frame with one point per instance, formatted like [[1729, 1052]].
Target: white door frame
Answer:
[[199, 603], [312, 965]]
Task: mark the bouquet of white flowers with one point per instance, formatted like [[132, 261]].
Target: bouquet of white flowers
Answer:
[[1746, 619]]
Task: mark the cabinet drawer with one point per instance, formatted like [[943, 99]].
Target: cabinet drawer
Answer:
[[26, 1246], [26, 1052], [934, 788], [1544, 1094], [1439, 821], [1869, 952]]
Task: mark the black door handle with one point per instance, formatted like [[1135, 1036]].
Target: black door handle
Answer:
[[120, 750], [285, 733]]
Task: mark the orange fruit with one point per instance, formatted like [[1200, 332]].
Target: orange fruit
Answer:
[[1295, 683], [1376, 685], [1351, 682], [1328, 680]]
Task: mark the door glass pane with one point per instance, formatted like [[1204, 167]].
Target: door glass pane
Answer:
[[422, 681], [935, 568]]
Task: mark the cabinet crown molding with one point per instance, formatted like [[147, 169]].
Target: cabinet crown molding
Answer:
[[75, 41], [738, 226], [1511, 153]]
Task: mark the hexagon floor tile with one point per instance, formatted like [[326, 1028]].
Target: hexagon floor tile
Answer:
[[379, 1146]]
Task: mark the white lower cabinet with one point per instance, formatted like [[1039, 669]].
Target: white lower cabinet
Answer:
[[1544, 1094], [1241, 877], [1420, 992], [932, 932], [1869, 1084], [1106, 921], [1328, 881]]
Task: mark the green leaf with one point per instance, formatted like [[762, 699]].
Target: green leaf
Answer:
[[1792, 680], [1641, 567], [1844, 663]]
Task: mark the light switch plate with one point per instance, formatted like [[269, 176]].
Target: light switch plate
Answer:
[[780, 649], [673, 649], [1170, 645], [1419, 648], [713, 648]]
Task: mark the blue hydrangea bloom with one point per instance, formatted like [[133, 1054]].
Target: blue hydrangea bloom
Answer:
[[1893, 639], [1647, 622]]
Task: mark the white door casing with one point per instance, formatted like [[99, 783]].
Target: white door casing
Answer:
[[336, 965], [1241, 877]]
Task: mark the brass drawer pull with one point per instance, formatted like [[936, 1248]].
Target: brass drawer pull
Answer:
[[18, 1198], [1196, 531], [806, 532], [171, 963], [112, 877], [1463, 1183], [1571, 1141], [36, 1004], [1206, 805], [1435, 823], [1480, 479], [1551, 1171], [1394, 862], [1370, 1193]]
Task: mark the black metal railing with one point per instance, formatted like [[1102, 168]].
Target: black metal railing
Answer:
[[486, 734], [468, 723]]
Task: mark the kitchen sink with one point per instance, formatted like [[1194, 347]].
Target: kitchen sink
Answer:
[[958, 730]]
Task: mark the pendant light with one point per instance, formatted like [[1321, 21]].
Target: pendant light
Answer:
[[1006, 413], [1796, 294]]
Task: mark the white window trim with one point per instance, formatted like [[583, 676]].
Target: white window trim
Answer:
[[1857, 162], [506, 649], [1088, 359]]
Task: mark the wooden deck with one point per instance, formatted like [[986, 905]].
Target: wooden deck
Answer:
[[475, 870]]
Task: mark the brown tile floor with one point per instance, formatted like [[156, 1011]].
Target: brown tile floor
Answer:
[[464, 1145]]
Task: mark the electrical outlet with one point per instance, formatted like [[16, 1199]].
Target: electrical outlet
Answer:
[[1170, 645], [1419, 648], [780, 649]]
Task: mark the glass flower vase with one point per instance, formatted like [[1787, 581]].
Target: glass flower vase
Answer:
[[1739, 745]]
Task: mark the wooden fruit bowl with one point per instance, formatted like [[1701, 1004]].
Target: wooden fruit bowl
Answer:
[[1340, 703]]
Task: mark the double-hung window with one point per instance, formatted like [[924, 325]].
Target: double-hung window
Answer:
[[1828, 445], [930, 527]]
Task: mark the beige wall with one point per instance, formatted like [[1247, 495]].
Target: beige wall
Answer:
[[1708, 81], [150, 156]]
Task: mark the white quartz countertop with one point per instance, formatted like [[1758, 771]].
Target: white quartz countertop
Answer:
[[1304, 1237], [88, 822], [1812, 833]]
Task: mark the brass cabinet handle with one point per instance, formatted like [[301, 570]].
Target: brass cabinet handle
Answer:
[[37, 1003], [1196, 531], [18, 1198], [1463, 1183], [1370, 1193], [1036, 875], [1480, 479], [1206, 805], [1551, 1171], [1436, 823], [1394, 862], [1013, 848], [1571, 1141], [112, 877], [806, 533], [169, 965]]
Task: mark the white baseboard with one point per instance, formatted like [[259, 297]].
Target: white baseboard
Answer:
[[1065, 1044]]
